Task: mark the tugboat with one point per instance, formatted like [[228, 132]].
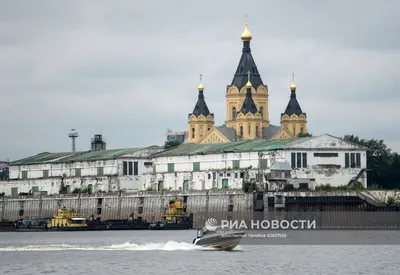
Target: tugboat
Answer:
[[174, 218], [66, 219]]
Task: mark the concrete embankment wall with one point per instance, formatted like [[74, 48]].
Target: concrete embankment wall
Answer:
[[151, 205]]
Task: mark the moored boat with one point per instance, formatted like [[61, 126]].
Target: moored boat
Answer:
[[66, 219], [175, 217]]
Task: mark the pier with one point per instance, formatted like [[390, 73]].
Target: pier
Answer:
[[233, 204]]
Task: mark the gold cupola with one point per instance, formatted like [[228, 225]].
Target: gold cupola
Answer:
[[293, 86], [246, 35]]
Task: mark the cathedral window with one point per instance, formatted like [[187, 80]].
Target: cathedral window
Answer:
[[234, 113], [241, 130], [193, 132]]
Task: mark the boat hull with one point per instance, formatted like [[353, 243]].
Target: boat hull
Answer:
[[170, 226], [50, 229], [228, 242]]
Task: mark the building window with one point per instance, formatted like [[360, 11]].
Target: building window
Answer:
[[264, 163], [196, 166], [185, 185], [326, 155], [304, 160], [201, 131], [130, 168], [209, 176], [294, 130], [171, 167], [225, 184], [298, 160], [100, 171], [236, 164], [241, 130], [262, 112], [249, 129], [24, 174], [346, 160], [209, 128], [352, 160], [14, 192], [193, 132], [135, 168], [293, 160], [125, 168], [160, 186], [257, 133], [301, 130], [45, 173], [234, 113], [78, 172], [358, 160]]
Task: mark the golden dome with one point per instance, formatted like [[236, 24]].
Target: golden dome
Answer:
[[248, 84], [293, 86], [201, 87], [246, 35]]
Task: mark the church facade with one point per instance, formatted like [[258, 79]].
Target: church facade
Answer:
[[247, 109]]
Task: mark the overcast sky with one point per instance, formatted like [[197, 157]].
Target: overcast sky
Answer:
[[130, 69]]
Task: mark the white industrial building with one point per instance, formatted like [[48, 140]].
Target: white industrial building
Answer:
[[303, 162], [98, 170]]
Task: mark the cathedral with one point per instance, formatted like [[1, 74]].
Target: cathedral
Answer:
[[247, 114]]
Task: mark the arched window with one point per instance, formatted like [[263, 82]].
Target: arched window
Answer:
[[241, 130], [249, 129], [234, 113], [257, 133], [294, 131], [301, 130], [262, 112], [193, 132], [201, 131]]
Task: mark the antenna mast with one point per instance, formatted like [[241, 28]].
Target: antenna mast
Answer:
[[73, 135]]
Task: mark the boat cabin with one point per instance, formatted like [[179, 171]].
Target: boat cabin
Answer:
[[67, 217]]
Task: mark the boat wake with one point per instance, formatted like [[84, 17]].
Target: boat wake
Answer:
[[168, 246]]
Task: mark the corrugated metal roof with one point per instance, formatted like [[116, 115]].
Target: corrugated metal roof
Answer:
[[76, 156], [188, 149]]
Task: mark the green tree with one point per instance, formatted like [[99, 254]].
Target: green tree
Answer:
[[385, 165], [304, 135], [171, 144]]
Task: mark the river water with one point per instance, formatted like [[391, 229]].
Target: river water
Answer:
[[172, 252]]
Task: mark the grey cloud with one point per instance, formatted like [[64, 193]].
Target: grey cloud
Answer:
[[100, 66]]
